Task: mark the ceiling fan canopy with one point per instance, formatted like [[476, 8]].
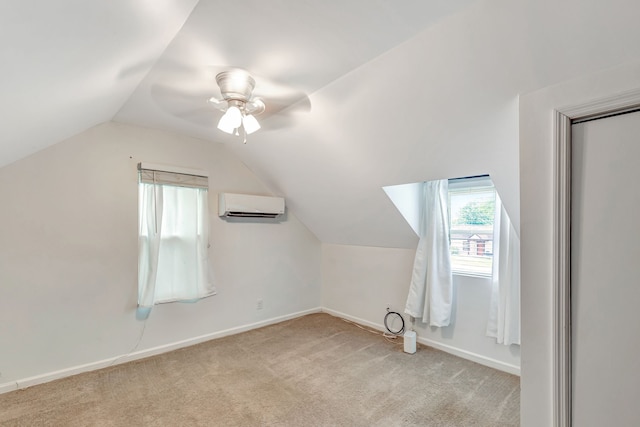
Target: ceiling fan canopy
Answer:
[[236, 87], [235, 84]]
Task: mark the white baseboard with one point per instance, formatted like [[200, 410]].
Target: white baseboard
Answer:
[[474, 357], [141, 354], [464, 354], [357, 320], [7, 387]]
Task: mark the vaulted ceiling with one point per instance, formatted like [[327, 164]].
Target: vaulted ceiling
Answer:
[[371, 92]]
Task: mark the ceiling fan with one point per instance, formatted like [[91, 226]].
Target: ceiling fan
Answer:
[[188, 93], [240, 108]]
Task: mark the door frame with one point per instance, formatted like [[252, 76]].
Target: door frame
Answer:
[[563, 118]]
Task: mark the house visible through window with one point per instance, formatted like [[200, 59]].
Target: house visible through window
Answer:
[[173, 236], [471, 217]]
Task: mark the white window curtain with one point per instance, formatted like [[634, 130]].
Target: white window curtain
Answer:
[[431, 290], [504, 313], [173, 241]]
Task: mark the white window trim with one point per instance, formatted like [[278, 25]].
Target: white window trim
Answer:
[[464, 183]]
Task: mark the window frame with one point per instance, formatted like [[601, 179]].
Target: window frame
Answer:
[[194, 184], [480, 183]]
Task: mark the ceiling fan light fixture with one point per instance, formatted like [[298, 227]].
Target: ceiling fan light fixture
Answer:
[[236, 88], [232, 119], [224, 127], [250, 124]]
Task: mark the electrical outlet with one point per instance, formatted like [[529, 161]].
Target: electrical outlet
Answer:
[[259, 304]]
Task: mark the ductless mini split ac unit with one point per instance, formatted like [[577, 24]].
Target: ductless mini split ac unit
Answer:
[[249, 206]]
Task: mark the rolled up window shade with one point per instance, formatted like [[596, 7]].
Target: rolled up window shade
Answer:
[[170, 175]]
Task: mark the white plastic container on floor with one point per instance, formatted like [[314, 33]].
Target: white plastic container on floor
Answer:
[[410, 342]]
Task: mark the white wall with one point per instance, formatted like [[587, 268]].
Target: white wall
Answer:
[[68, 257], [360, 281], [537, 197]]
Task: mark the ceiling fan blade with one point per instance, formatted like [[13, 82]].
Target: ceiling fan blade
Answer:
[[163, 94], [256, 106], [221, 105], [285, 106], [277, 97], [201, 116], [190, 105], [279, 122]]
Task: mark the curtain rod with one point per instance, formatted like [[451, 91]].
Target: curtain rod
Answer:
[[469, 177]]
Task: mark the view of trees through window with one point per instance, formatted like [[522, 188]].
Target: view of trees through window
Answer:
[[471, 215]]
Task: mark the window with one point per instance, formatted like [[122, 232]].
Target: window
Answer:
[[471, 216], [173, 235], [471, 206]]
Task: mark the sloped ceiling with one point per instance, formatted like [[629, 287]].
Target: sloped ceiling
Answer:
[[388, 92], [68, 65]]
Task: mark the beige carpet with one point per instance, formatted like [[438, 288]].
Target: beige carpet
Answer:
[[316, 370]]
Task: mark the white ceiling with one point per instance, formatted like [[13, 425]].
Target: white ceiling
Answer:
[[68, 65], [388, 91], [289, 46]]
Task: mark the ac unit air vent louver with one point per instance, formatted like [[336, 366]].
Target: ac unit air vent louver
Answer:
[[249, 206]]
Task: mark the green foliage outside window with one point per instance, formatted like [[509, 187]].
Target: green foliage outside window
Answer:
[[477, 213]]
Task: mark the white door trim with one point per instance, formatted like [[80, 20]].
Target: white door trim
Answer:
[[563, 117]]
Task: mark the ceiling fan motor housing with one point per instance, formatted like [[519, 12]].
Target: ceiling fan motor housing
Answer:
[[235, 85]]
